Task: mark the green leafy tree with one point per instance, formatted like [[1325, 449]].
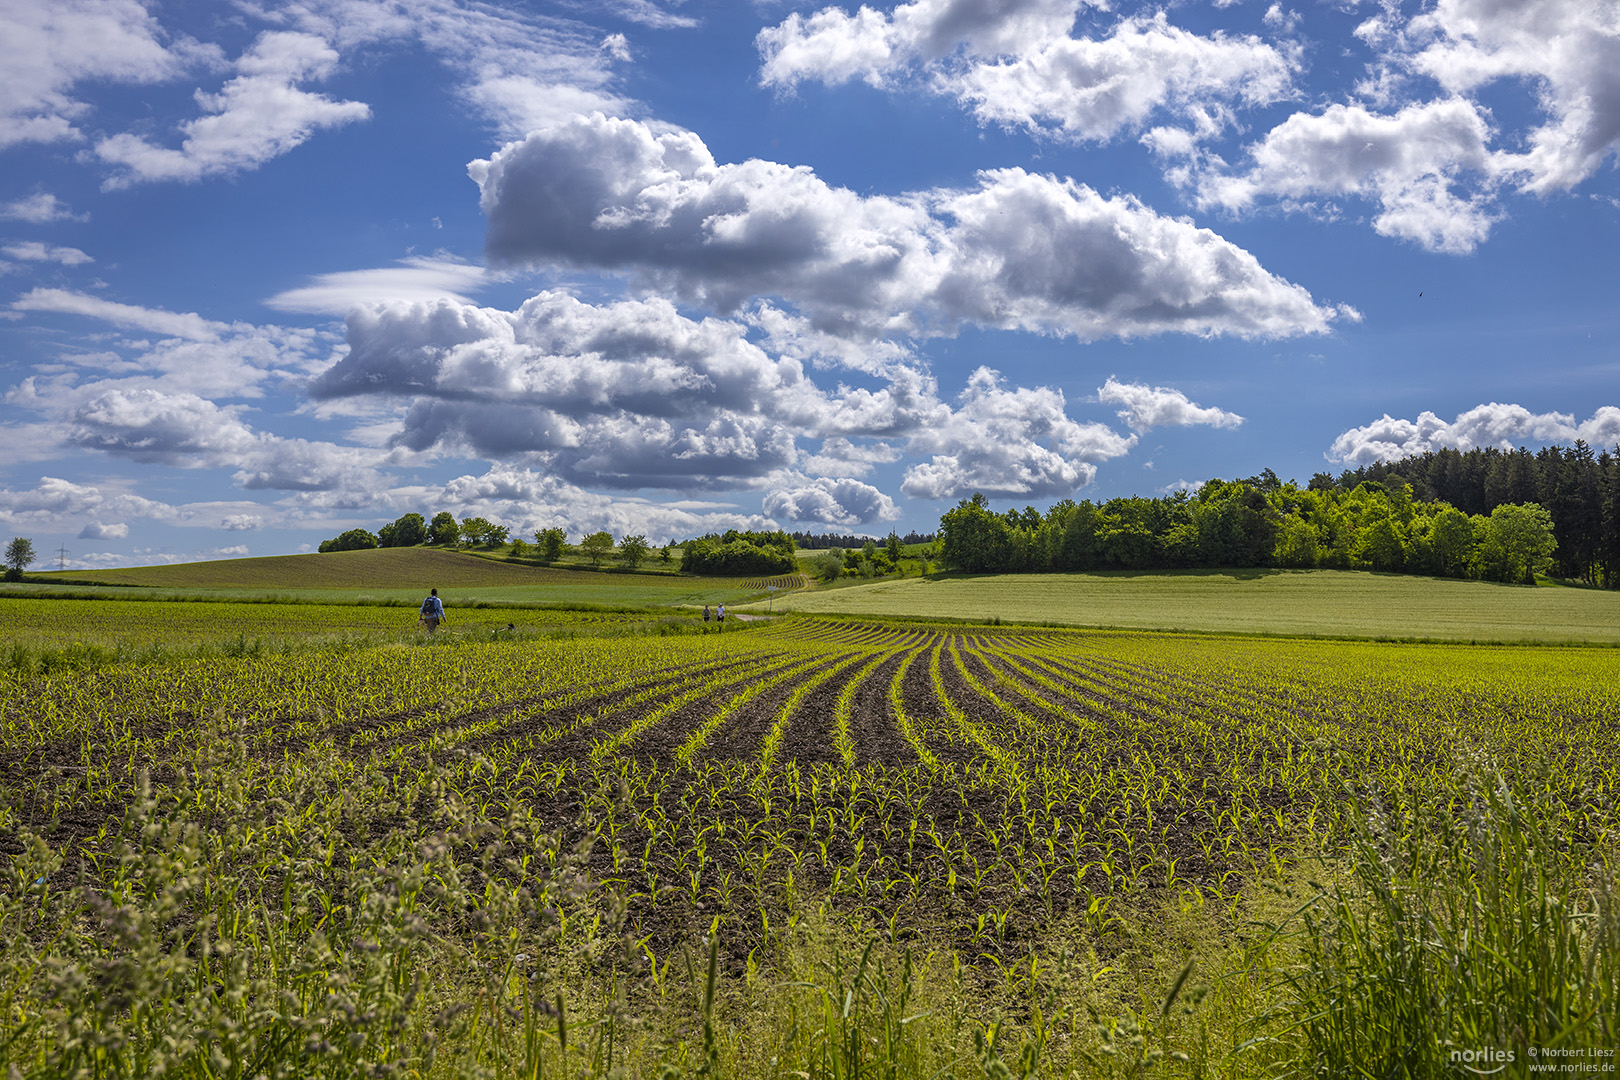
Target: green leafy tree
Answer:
[[19, 554], [444, 529], [975, 540], [475, 530], [353, 540], [827, 565], [1517, 541], [496, 535], [520, 548], [1234, 523], [1451, 542], [1076, 544], [597, 547], [1124, 542], [633, 549], [1297, 543], [1381, 545], [551, 543], [407, 531]]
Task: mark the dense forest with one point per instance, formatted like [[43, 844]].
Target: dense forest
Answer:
[[1490, 514], [1581, 492]]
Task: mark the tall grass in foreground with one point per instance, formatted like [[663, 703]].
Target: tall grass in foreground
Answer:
[[243, 918], [1469, 934]]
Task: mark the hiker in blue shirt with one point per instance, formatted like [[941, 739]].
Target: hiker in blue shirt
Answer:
[[432, 611]]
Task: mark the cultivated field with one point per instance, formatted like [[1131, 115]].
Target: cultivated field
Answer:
[[801, 846], [92, 632], [1321, 603], [400, 576]]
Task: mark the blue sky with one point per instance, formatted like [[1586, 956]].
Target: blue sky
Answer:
[[269, 271]]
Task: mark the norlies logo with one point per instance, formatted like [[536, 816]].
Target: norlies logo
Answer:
[[1469, 1059]]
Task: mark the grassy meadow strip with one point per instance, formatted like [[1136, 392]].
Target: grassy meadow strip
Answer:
[[810, 848]]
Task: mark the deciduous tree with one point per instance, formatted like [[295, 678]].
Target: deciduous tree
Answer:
[[19, 554], [597, 547], [407, 531], [551, 543], [353, 540], [444, 529], [633, 549]]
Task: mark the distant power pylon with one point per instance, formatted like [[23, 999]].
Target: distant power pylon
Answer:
[[61, 557]]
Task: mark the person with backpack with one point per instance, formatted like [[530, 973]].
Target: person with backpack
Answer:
[[432, 611]]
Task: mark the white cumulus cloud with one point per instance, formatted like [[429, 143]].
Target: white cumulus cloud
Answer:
[[48, 48], [1568, 51], [1017, 64], [1422, 165], [827, 501], [1018, 251], [633, 394], [1438, 167], [1502, 426], [1091, 89], [832, 46], [96, 530], [258, 115], [1160, 406], [1009, 443]]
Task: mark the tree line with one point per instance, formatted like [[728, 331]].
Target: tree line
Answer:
[[412, 530], [1579, 489], [1346, 523], [827, 541], [550, 545]]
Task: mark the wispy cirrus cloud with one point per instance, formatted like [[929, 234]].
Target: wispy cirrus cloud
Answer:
[[40, 208], [34, 251]]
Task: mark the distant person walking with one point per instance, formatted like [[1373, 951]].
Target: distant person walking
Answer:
[[432, 611], [706, 615], [720, 616]]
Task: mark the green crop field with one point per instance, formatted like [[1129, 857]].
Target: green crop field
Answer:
[[805, 847], [53, 633], [1327, 603], [401, 576]]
